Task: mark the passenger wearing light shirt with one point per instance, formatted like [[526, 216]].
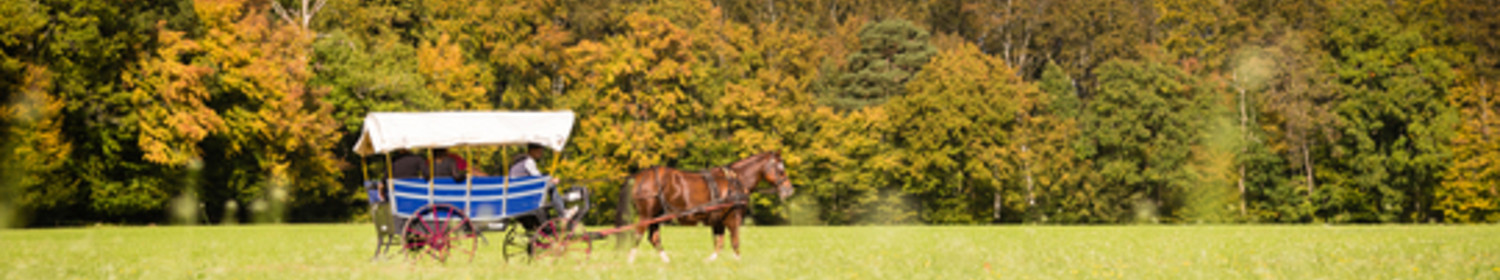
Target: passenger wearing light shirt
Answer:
[[525, 165]]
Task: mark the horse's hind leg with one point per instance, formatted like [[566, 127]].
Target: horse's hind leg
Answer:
[[635, 242], [643, 208], [656, 241]]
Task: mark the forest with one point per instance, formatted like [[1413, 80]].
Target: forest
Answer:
[[886, 111]]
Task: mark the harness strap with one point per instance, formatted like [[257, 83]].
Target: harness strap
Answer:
[[687, 197], [738, 191], [661, 194], [735, 200], [713, 185], [734, 179], [736, 194]]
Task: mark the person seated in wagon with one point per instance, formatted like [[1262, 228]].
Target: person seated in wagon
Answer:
[[525, 164]]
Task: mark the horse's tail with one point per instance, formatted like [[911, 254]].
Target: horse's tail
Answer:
[[622, 210], [623, 205]]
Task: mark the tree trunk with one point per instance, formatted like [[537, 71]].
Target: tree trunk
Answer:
[[1307, 169], [1417, 203], [771, 9], [1245, 136], [1244, 199], [997, 206]]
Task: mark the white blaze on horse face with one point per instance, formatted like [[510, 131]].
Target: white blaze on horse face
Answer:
[[781, 170], [786, 183]]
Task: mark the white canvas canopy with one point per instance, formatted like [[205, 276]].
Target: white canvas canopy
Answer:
[[386, 132]]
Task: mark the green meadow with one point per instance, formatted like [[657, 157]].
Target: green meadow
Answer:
[[342, 251]]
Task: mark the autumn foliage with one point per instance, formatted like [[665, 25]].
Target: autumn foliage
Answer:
[[886, 111]]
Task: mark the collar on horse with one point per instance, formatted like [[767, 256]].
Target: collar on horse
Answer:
[[713, 185]]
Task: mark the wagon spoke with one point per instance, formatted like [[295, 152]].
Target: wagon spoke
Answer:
[[440, 233], [429, 224], [425, 227]]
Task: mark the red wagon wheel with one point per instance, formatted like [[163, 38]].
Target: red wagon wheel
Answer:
[[438, 232], [557, 237]]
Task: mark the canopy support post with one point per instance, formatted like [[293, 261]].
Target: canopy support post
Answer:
[[556, 159], [431, 177], [505, 185], [390, 183], [364, 168], [364, 178], [468, 183]]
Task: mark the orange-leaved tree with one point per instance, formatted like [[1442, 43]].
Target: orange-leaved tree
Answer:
[[278, 128]]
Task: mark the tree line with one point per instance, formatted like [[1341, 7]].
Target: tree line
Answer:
[[886, 111]]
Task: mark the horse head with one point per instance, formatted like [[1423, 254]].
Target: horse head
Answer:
[[774, 171]]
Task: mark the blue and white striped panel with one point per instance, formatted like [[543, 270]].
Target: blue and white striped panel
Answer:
[[489, 199]]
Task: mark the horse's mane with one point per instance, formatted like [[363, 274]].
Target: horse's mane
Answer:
[[750, 160]]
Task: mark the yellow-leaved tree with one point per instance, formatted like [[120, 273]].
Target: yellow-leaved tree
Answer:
[[35, 147], [955, 133], [461, 85], [278, 129], [1468, 193], [171, 101], [631, 95]]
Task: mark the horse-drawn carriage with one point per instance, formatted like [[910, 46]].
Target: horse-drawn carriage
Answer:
[[437, 217]]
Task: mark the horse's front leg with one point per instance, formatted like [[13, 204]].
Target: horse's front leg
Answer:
[[734, 233], [718, 242]]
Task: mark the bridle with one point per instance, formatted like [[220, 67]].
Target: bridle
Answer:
[[779, 181]]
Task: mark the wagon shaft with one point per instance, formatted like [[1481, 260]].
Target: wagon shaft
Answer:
[[719, 205]]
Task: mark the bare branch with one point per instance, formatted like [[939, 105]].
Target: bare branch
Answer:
[[307, 15], [276, 5], [319, 6]]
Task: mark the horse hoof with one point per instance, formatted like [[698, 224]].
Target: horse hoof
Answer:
[[664, 257], [632, 256], [712, 257], [736, 257]]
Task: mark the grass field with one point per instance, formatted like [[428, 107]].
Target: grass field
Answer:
[[297, 252]]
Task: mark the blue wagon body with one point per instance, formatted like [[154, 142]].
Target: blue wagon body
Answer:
[[488, 200]]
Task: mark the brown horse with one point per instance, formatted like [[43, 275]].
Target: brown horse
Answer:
[[662, 191]]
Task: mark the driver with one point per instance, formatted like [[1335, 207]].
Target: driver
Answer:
[[525, 164]]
